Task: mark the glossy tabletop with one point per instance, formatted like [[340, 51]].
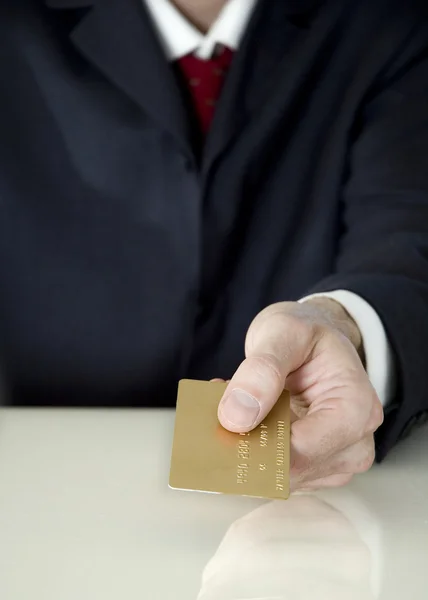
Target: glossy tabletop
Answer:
[[86, 514]]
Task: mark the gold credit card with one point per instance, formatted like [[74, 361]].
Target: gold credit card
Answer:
[[208, 458]]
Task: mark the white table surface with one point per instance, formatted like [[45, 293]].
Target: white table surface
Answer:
[[86, 514]]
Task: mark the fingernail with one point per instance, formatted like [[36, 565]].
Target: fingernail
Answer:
[[240, 409]]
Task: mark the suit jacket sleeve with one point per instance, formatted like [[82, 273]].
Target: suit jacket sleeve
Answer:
[[383, 253]]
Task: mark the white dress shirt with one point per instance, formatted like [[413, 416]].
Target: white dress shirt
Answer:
[[179, 37]]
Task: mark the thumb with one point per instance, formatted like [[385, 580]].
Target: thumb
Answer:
[[277, 344]]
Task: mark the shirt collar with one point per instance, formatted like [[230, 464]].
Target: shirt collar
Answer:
[[179, 37]]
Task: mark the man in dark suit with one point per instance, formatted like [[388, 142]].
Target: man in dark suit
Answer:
[[171, 169]]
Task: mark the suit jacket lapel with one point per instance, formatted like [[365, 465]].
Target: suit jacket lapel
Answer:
[[117, 37]]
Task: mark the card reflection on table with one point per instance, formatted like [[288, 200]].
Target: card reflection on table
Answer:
[[302, 549]]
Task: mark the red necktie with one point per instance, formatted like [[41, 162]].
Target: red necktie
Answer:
[[205, 79]]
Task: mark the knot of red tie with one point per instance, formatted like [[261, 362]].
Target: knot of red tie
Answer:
[[205, 79]]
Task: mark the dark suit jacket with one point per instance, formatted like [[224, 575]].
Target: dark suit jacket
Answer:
[[130, 256]]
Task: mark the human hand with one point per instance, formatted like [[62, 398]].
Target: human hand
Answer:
[[313, 349]]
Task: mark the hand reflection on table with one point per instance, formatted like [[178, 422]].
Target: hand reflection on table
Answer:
[[301, 549]]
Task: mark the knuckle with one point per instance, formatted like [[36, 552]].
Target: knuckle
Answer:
[[365, 464], [294, 324], [267, 365], [273, 315], [377, 416], [366, 459]]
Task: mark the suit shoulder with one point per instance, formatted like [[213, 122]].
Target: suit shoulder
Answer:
[[397, 25], [409, 13]]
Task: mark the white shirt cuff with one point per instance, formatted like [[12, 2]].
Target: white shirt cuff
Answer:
[[377, 350]]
